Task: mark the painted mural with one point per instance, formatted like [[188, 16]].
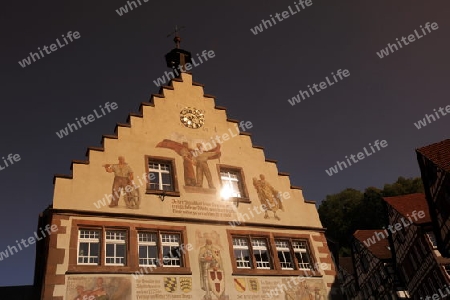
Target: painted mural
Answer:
[[212, 276], [306, 290], [269, 197], [123, 181], [98, 288], [197, 157]]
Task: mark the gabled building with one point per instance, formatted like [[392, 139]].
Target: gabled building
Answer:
[[179, 204], [374, 272], [420, 265], [434, 163]]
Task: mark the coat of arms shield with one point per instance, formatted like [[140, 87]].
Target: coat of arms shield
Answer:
[[216, 281]]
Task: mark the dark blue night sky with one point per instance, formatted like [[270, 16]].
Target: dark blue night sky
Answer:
[[116, 59]]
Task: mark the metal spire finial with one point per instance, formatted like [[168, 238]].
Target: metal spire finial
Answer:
[[177, 38]]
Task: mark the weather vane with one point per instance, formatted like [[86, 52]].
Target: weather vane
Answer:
[[177, 38]]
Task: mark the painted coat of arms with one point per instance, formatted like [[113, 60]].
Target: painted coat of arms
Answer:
[[239, 284], [186, 284], [170, 284]]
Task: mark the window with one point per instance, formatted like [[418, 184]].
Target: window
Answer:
[[284, 254], [170, 244], [233, 183], [115, 243], [88, 247], [251, 254], [168, 254], [148, 251], [302, 255], [432, 239], [270, 253], [261, 254], [242, 253], [128, 247], [160, 175]]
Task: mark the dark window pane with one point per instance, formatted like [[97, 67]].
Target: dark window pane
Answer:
[[120, 251], [109, 250], [84, 248], [95, 249]]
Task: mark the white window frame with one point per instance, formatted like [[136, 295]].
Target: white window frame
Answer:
[[284, 248], [115, 240], [259, 245], [304, 252], [228, 177], [171, 244], [241, 263], [89, 240], [159, 171], [147, 244]]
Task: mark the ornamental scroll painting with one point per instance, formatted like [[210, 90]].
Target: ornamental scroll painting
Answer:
[[269, 197], [123, 181], [194, 157]]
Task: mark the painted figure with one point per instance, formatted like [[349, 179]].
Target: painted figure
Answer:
[[188, 165], [211, 274], [268, 196], [99, 291], [186, 153], [201, 161], [81, 293], [109, 288], [123, 176], [198, 158]]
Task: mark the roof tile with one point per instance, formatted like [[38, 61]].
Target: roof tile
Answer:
[[379, 248], [406, 204], [438, 153]]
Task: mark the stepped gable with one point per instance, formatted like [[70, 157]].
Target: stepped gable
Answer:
[[152, 133], [140, 115]]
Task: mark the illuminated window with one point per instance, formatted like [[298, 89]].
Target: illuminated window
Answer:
[[232, 183]]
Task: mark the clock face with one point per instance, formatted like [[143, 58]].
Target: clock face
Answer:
[[192, 117]]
